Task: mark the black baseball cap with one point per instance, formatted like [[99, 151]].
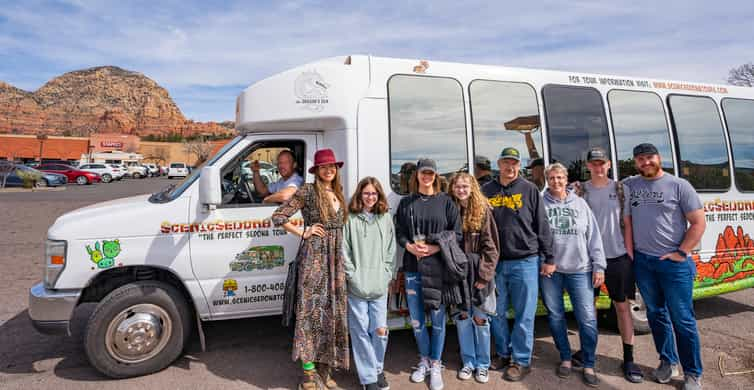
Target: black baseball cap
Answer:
[[645, 148], [482, 163], [426, 164], [536, 162], [597, 154]]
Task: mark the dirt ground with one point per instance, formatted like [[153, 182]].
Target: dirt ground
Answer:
[[255, 353]]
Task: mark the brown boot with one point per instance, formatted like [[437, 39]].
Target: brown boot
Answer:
[[325, 373], [310, 381]]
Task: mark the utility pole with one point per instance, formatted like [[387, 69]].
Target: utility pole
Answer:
[[41, 137]]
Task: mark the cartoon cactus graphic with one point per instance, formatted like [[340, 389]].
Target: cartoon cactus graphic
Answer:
[[104, 257], [96, 254]]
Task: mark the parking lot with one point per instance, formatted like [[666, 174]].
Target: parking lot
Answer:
[[255, 353]]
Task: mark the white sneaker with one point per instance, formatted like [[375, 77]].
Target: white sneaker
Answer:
[[482, 375], [435, 376], [421, 371], [465, 373]]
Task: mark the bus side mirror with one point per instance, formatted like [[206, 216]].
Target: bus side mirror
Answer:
[[210, 192]]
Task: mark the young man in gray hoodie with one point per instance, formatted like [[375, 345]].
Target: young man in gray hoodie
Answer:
[[578, 268]]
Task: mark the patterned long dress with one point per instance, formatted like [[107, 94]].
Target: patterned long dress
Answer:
[[321, 333]]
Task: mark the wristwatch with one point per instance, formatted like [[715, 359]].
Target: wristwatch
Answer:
[[682, 253]]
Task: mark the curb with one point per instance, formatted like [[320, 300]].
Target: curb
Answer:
[[14, 190]]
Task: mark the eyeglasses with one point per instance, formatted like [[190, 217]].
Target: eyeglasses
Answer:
[[365, 193]]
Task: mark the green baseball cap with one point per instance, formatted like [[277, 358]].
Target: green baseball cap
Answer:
[[510, 152]]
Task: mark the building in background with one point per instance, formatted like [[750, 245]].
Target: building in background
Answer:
[[28, 148], [99, 148]]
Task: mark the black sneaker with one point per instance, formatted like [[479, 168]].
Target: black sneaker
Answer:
[[500, 362], [370, 386], [665, 371], [382, 382], [577, 359]]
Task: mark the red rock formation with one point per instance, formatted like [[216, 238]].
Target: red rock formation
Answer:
[[731, 246], [97, 100]]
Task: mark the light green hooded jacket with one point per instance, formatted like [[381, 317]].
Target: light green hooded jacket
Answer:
[[369, 251]]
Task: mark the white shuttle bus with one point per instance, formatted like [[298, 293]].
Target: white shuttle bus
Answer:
[[206, 250]]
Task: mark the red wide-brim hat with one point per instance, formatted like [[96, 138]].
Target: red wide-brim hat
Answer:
[[324, 157]]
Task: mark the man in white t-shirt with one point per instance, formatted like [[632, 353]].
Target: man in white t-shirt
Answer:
[[283, 189]]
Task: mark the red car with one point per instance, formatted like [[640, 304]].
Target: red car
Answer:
[[73, 174]]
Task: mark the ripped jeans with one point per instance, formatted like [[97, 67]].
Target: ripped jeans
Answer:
[[473, 338], [365, 317], [429, 346]]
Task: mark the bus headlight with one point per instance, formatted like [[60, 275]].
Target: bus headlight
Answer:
[[55, 252]]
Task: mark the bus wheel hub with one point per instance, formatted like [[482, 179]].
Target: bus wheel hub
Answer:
[[138, 333]]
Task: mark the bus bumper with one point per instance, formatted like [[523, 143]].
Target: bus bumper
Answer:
[[50, 311]]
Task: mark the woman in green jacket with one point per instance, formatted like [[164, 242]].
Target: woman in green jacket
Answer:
[[369, 248]]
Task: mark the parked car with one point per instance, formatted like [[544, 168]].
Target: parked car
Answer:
[[154, 170], [123, 169], [107, 173], [120, 170], [267, 171], [137, 171], [13, 176], [73, 174], [177, 169]]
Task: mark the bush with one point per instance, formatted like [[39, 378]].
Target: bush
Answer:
[[29, 177]]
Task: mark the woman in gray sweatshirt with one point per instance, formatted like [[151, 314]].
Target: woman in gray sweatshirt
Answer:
[[578, 268]]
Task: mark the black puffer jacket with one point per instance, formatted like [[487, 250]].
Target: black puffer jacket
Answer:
[[444, 277]]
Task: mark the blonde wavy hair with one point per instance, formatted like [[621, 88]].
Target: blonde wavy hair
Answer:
[[324, 205], [477, 204]]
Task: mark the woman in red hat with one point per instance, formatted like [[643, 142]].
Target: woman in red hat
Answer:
[[321, 333]]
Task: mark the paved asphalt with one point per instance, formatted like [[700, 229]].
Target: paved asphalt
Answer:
[[255, 353]]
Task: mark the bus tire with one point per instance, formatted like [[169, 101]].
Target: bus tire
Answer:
[[639, 315], [137, 329]]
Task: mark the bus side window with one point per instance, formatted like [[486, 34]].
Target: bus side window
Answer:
[[739, 115], [506, 114], [575, 123], [427, 120], [702, 154], [638, 117]]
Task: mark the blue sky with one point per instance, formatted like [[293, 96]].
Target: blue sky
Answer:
[[206, 53]]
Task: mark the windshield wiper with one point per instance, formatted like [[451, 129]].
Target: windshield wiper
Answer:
[[160, 195]]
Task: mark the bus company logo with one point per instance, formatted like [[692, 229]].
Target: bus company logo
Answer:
[[310, 89]]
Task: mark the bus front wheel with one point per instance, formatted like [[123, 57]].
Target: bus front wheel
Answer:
[[138, 329]]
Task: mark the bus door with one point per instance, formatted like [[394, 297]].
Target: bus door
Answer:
[[238, 256]]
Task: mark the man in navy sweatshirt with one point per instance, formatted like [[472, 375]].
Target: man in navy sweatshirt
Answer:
[[525, 239]]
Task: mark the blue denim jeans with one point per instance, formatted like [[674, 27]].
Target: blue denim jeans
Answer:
[[429, 346], [581, 292], [666, 287], [516, 282], [474, 339], [364, 318]]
